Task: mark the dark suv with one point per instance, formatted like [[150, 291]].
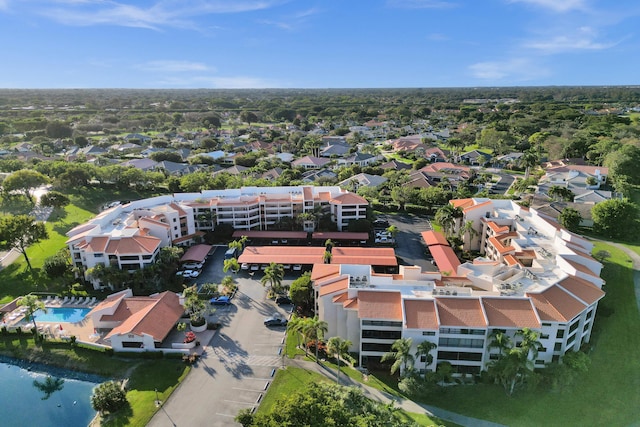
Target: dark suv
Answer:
[[282, 300]]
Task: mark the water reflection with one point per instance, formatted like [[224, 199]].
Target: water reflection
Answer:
[[49, 386]]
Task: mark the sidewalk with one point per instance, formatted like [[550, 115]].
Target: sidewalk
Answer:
[[381, 396]]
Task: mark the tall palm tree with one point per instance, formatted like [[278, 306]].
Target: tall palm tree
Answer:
[[32, 304], [424, 349], [501, 341], [447, 216], [295, 325], [468, 230], [316, 329], [339, 348], [326, 257], [273, 275], [529, 159], [530, 344], [400, 354]]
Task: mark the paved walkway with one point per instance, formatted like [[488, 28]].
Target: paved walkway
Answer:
[[381, 396], [635, 259]]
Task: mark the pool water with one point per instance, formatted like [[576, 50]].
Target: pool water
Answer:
[[26, 405], [61, 314]]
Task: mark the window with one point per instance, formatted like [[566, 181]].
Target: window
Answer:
[[574, 327], [98, 255], [560, 334], [460, 342], [423, 359], [542, 349], [589, 314], [175, 220], [459, 355], [557, 347], [381, 323], [368, 346], [129, 258], [428, 333], [586, 327], [546, 324], [458, 331], [390, 335], [539, 362], [544, 336], [147, 256]]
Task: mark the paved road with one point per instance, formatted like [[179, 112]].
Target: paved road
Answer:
[[410, 247], [503, 185], [237, 365]]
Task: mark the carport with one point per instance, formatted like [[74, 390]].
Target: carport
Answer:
[[196, 253], [279, 236], [304, 255], [376, 257], [353, 238]]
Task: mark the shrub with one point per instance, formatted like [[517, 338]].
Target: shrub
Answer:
[[108, 397]]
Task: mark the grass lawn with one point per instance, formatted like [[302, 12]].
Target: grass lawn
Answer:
[[164, 375], [16, 279], [606, 395], [292, 379]]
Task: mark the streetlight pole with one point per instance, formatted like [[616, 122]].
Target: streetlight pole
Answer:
[[157, 400]]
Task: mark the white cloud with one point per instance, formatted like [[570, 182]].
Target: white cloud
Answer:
[[162, 13], [583, 39], [4, 4], [556, 5], [420, 4], [173, 66], [515, 69], [293, 21]]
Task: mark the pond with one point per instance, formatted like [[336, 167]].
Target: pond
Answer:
[[37, 399]]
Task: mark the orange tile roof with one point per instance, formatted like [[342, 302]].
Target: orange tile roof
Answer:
[[502, 249], [155, 316], [420, 314], [363, 256], [321, 271], [333, 285], [380, 305], [555, 304], [196, 253], [434, 238], [460, 312], [178, 209], [486, 204], [308, 193], [340, 298], [583, 289], [445, 258], [510, 313], [351, 304], [257, 234], [97, 244], [133, 245], [282, 255], [461, 203], [511, 260], [349, 199], [153, 221], [497, 228]]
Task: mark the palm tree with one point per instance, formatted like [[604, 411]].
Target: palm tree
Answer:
[[328, 245], [447, 216], [316, 329], [295, 325], [326, 257], [530, 344], [400, 354], [424, 349], [32, 304], [273, 275], [529, 159], [231, 264], [501, 341], [339, 348], [468, 230], [237, 245], [393, 230]]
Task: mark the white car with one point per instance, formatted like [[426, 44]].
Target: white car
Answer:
[[195, 273], [255, 267], [244, 266], [193, 266], [297, 267], [187, 273]]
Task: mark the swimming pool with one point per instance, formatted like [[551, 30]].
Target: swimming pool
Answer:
[[61, 314]]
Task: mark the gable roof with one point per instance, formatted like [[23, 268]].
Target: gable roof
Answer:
[[457, 311], [556, 304], [420, 314], [380, 305], [510, 313]]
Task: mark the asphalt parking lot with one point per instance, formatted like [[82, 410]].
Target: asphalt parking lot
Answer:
[[410, 248], [238, 365]]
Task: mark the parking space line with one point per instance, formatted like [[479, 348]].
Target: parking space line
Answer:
[[242, 403], [247, 389], [225, 415]]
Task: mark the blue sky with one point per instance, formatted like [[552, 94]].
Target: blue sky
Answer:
[[317, 43]]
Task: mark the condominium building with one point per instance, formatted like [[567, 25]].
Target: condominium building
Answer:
[[531, 273], [131, 235]]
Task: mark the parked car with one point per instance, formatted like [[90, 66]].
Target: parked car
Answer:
[[255, 267], [221, 300], [244, 266], [283, 300], [297, 267], [187, 273], [286, 266], [381, 223], [275, 320], [193, 266], [194, 274]]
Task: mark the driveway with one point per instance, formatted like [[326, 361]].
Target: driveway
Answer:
[[237, 365], [503, 185], [410, 248]]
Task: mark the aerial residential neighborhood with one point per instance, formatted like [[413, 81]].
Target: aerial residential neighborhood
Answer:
[[428, 255]]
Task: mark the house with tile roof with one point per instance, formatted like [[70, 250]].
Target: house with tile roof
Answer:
[[532, 274], [137, 323]]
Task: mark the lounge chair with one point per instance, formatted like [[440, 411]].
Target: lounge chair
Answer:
[[80, 301], [93, 301], [72, 300], [64, 300]]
